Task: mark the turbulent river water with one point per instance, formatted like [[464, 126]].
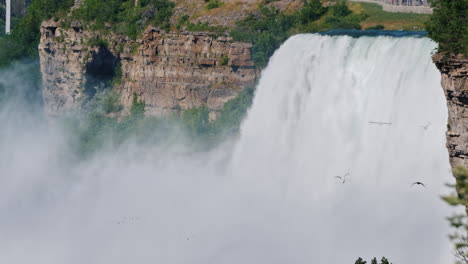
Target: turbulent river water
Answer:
[[326, 106]]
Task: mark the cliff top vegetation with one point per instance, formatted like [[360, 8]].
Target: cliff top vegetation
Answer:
[[274, 20], [448, 25]]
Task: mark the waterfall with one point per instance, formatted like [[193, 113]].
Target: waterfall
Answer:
[[370, 107], [326, 106]]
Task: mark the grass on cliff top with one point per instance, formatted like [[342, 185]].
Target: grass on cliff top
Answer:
[[391, 21]]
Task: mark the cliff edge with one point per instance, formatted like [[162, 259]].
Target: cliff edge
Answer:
[[454, 70], [168, 71]]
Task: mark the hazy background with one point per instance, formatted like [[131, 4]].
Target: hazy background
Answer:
[[269, 196]]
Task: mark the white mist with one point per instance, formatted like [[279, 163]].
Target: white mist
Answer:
[[272, 198]]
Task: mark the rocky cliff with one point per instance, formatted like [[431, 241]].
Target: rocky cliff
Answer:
[[454, 71], [168, 71]]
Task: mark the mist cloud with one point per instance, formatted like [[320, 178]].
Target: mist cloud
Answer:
[[268, 197]]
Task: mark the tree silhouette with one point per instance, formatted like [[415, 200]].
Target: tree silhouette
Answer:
[[373, 261]]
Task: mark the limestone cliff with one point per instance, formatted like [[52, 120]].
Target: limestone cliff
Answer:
[[168, 71], [454, 71]]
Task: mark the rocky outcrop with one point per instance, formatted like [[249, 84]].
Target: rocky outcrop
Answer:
[[454, 71], [168, 71]]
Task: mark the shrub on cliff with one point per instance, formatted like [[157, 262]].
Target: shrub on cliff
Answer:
[[272, 27], [212, 4], [448, 25], [266, 32], [311, 11], [124, 16]]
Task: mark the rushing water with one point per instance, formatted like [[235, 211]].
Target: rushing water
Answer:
[[325, 106]]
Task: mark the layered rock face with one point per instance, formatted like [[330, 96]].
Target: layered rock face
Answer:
[[186, 70], [454, 71], [168, 71]]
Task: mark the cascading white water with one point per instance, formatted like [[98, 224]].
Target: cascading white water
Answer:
[[327, 106], [273, 198]]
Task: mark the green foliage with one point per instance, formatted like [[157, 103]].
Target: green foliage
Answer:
[[376, 27], [459, 221], [138, 107], [214, 4], [343, 17], [373, 261], [224, 60], [124, 17], [24, 37], [205, 27], [461, 198], [117, 80], [21, 84], [95, 129], [266, 32], [183, 20], [2, 20], [360, 261], [384, 261], [196, 121], [340, 9], [110, 103], [272, 27], [233, 113], [448, 25], [311, 11], [98, 41]]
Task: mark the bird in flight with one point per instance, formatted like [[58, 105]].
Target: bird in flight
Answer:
[[418, 183], [342, 178], [425, 127], [380, 123]]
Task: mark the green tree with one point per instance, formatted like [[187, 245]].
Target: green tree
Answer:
[[124, 16], [448, 27], [311, 11], [360, 261], [24, 37], [384, 261], [373, 261], [340, 9], [459, 222]]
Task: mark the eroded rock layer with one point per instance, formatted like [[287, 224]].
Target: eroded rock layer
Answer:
[[168, 71]]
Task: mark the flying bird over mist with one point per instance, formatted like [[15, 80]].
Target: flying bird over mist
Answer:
[[418, 183], [342, 178], [425, 127]]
